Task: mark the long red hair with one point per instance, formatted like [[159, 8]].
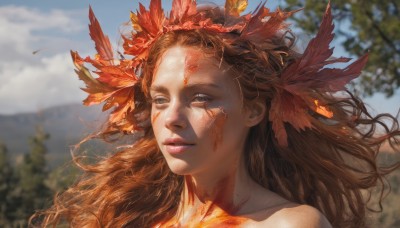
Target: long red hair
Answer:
[[329, 167]]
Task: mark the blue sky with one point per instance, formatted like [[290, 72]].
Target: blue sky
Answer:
[[30, 82]]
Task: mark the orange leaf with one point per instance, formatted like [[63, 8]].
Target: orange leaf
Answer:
[[101, 41], [96, 98], [265, 24], [93, 85], [182, 9], [151, 21], [235, 7], [117, 76], [322, 110], [307, 74], [135, 22]]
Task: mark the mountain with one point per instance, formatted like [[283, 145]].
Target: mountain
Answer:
[[66, 124]]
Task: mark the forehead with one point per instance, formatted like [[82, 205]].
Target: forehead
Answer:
[[182, 56], [180, 63]]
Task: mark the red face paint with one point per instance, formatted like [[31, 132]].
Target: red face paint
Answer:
[[155, 116], [218, 124], [190, 188], [191, 64], [218, 127], [224, 194], [218, 212]]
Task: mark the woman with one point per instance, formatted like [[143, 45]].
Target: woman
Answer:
[[235, 127]]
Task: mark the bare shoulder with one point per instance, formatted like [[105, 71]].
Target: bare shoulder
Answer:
[[294, 215], [271, 210]]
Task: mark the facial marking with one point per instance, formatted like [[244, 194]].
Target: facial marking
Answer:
[[190, 188], [219, 119], [154, 117], [217, 212], [191, 64]]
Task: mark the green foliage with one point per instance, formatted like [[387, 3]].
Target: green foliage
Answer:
[[29, 185], [7, 183], [31, 192], [61, 177], [367, 26]]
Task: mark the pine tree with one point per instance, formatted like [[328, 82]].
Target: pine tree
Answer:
[[7, 183], [32, 193]]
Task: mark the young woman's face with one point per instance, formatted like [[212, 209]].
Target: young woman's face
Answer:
[[197, 113]]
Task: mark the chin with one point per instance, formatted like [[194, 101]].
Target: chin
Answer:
[[180, 168]]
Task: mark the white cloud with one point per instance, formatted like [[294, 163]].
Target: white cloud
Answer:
[[33, 19], [22, 28], [29, 82], [31, 87]]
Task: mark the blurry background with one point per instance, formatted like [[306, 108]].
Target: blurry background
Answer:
[[40, 101]]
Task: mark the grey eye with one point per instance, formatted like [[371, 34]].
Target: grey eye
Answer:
[[201, 98], [159, 100]]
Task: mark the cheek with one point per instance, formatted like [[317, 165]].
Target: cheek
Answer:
[[217, 130], [155, 123], [213, 122], [154, 116]]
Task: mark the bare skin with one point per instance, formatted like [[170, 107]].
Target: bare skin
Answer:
[[201, 125]]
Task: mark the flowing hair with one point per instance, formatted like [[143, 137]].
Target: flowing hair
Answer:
[[331, 167]]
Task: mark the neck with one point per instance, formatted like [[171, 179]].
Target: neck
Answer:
[[226, 188]]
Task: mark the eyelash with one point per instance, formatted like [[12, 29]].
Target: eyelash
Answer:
[[201, 98], [197, 98], [158, 100]]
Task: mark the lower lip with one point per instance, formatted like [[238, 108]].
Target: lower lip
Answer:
[[177, 149]]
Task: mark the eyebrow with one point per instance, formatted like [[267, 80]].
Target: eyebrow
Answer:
[[158, 88], [194, 85], [189, 86]]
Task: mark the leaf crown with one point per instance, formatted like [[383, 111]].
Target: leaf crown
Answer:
[[291, 103]]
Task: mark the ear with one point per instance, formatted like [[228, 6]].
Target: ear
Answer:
[[255, 113]]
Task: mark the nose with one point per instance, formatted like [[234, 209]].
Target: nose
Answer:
[[175, 116]]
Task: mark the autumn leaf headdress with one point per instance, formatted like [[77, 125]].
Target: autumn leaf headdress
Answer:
[[291, 104]]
